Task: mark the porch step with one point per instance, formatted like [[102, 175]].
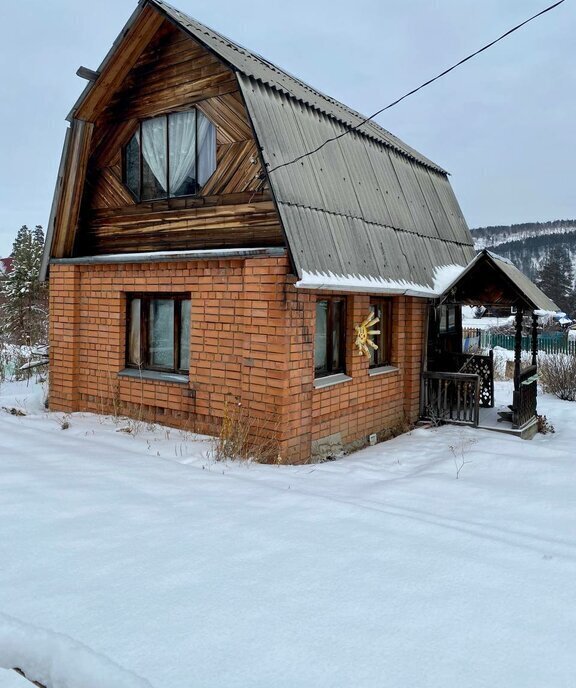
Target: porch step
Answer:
[[505, 416]]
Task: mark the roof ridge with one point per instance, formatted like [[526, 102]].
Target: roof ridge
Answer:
[[365, 126]]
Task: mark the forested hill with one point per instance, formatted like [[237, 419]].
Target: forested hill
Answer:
[[528, 244]]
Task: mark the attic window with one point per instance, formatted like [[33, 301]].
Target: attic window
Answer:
[[171, 155]]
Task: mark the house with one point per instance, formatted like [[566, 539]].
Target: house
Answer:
[[5, 266], [5, 269], [201, 261]]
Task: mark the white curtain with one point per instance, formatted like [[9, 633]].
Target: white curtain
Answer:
[[154, 148], [182, 148], [206, 149], [134, 338]]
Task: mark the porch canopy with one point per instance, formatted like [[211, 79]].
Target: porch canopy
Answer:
[[490, 280]]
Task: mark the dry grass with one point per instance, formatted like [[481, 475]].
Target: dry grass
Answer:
[[244, 437]]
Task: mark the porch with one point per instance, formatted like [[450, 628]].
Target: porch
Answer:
[[458, 387], [463, 394]]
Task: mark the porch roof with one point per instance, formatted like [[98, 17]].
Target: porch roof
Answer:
[[491, 280]]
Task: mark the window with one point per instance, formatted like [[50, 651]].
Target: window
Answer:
[[382, 356], [158, 332], [171, 155], [329, 348], [447, 319]]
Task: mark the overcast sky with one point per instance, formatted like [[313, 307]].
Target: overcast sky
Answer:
[[504, 124]]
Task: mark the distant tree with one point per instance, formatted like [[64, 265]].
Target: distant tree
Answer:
[[24, 311], [556, 278]]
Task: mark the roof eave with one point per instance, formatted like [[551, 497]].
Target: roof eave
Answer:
[[47, 252], [109, 56]]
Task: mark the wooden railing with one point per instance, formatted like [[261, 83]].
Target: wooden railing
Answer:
[[524, 404], [451, 398]]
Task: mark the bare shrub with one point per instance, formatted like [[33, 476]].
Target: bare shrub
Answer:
[[558, 375], [244, 437], [460, 452], [545, 427]]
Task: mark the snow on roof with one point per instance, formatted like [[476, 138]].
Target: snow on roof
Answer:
[[443, 277]]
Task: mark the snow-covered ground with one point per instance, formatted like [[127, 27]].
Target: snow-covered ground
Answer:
[[139, 562], [10, 679]]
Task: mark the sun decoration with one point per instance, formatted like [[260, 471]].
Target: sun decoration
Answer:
[[363, 334]]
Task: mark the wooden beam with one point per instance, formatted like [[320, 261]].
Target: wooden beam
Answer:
[[123, 59], [88, 74], [72, 187]]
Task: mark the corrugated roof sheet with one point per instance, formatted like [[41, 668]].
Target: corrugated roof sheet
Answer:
[[356, 207], [533, 294], [254, 65]]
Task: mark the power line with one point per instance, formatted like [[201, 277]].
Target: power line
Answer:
[[415, 90]]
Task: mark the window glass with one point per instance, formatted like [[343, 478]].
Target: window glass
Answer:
[[376, 312], [182, 146], [185, 306], [320, 341], [132, 164], [329, 354], [337, 325], [161, 333], [382, 355], [206, 149], [171, 155], [158, 332], [448, 319], [154, 159], [134, 333]]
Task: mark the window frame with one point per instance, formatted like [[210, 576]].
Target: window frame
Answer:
[[330, 370], [145, 356], [168, 197], [377, 359]]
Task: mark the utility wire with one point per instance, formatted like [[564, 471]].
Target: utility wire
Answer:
[[415, 90]]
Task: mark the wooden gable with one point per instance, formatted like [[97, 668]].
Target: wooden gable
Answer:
[[173, 72]]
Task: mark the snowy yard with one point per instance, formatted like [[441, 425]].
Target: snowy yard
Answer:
[[138, 562]]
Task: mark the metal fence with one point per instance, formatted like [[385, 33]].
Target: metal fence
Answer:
[[550, 343]]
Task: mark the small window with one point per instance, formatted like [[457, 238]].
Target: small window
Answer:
[[158, 332], [170, 156], [382, 356], [447, 319], [329, 342]]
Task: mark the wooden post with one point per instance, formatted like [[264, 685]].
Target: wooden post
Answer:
[[518, 347], [491, 364], [517, 358], [534, 337]]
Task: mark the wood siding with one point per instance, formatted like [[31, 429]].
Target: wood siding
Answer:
[[234, 209]]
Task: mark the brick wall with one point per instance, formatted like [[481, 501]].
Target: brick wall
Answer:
[[383, 403], [252, 343]]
